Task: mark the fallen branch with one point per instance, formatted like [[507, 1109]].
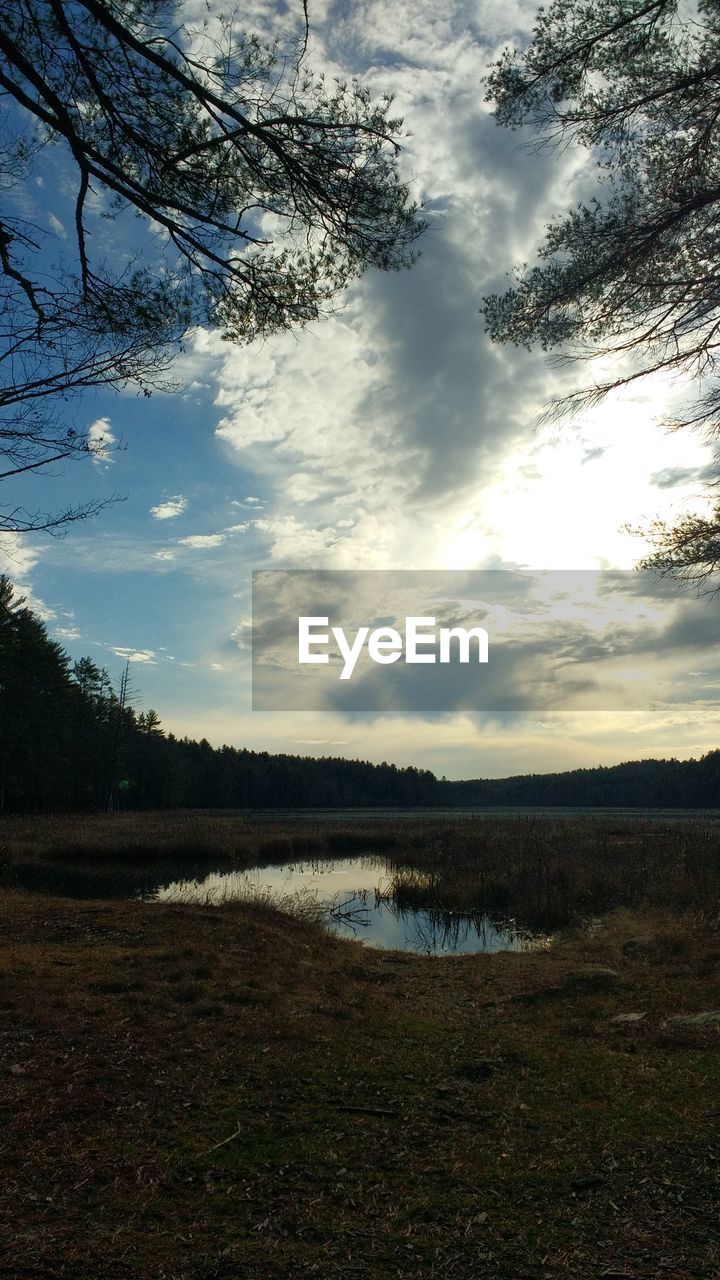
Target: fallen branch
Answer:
[[225, 1141], [363, 1111]]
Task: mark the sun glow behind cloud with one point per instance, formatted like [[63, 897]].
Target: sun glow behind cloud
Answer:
[[577, 498]]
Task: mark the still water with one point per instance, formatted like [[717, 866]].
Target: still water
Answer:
[[354, 896]]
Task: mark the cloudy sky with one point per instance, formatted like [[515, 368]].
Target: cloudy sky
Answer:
[[392, 436]]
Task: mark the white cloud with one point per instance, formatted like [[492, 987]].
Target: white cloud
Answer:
[[169, 508], [18, 558], [198, 540], [249, 502], [370, 429], [242, 635], [133, 655], [395, 434], [57, 226], [320, 742], [100, 440]]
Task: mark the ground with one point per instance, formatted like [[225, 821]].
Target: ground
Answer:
[[199, 1093]]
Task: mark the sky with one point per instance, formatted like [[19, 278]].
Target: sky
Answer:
[[391, 436]]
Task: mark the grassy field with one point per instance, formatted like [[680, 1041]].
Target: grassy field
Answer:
[[196, 1093]]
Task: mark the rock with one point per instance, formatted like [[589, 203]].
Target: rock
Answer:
[[592, 977], [639, 946], [706, 1019]]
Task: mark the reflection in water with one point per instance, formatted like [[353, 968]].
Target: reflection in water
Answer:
[[90, 881], [426, 931], [363, 897], [356, 894]]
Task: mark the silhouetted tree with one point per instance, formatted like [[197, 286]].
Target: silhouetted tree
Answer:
[[69, 741], [634, 272]]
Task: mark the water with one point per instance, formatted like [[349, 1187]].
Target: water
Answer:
[[350, 894], [354, 895]]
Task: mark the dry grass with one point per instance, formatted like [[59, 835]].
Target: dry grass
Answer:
[[546, 872], [551, 873], [229, 1094]]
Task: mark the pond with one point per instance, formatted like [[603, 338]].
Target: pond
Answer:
[[357, 897], [358, 902]]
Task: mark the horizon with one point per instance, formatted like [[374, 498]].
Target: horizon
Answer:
[[166, 730]]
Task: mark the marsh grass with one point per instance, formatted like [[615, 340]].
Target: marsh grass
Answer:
[[303, 905], [554, 873], [548, 873]]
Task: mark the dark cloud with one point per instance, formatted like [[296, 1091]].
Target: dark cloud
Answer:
[[671, 477], [563, 641]]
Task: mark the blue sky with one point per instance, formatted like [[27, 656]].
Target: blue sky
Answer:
[[392, 435]]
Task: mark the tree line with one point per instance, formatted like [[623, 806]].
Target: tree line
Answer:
[[71, 741], [643, 784]]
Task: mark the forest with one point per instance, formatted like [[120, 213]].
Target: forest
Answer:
[[644, 784], [72, 742]]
